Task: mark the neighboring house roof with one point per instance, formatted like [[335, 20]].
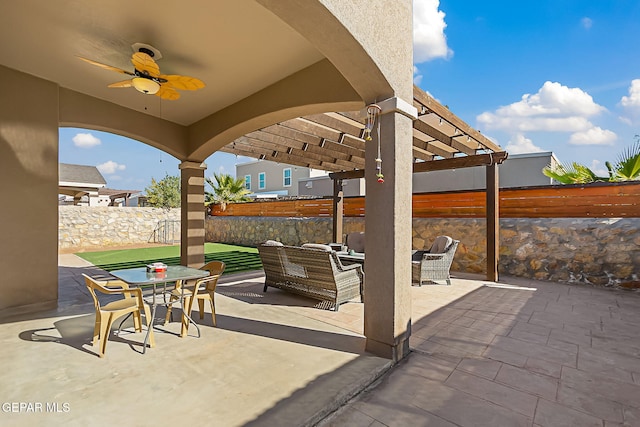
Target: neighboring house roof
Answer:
[[114, 194], [111, 192], [80, 175]]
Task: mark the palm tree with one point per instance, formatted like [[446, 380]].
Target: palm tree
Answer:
[[627, 168], [226, 189], [574, 173]]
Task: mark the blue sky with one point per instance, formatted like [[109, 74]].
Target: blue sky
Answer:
[[561, 76]]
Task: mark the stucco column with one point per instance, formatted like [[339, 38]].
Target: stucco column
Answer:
[[387, 295], [29, 189], [192, 214]]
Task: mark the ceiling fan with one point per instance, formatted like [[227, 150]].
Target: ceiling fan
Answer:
[[146, 75]]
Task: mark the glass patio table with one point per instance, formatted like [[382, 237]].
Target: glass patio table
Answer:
[[158, 281]]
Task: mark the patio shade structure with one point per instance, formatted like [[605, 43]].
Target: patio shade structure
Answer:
[[335, 142]]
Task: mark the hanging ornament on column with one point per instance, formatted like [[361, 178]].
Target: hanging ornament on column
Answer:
[[373, 119], [373, 111], [379, 169]]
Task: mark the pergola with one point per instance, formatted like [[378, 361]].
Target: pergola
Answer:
[[335, 142]]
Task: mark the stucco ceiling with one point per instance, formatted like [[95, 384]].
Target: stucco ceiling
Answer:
[[235, 47]]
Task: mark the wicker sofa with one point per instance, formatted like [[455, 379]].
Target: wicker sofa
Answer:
[[312, 270]]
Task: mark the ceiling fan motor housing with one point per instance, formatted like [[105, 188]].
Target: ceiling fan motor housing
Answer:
[[148, 49]]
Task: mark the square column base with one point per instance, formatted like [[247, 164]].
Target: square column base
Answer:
[[394, 352]]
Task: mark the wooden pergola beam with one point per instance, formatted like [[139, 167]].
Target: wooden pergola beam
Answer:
[[427, 129], [461, 162], [288, 159], [432, 147], [422, 99], [336, 123], [435, 165]]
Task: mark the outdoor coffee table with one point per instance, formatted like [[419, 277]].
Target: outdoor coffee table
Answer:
[[351, 258], [142, 278]]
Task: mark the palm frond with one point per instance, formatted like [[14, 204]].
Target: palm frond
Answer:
[[574, 173], [226, 189], [628, 166]]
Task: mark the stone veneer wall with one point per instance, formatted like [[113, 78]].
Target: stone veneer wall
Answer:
[[95, 226], [575, 250]]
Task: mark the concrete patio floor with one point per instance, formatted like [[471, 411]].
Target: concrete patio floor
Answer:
[[516, 353]]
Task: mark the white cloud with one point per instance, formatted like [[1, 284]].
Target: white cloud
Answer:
[[520, 144], [631, 103], [429, 40], [85, 140], [417, 77], [524, 124], [596, 167], [110, 167], [593, 136], [633, 100], [586, 22], [554, 108]]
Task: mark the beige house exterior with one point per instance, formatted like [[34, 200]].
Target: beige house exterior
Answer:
[[263, 177], [519, 170]]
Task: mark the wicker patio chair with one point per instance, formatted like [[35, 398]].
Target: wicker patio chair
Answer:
[[435, 263]]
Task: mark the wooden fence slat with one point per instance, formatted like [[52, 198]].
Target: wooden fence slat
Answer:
[[573, 201]]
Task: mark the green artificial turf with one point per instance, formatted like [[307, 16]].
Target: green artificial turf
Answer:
[[236, 258]]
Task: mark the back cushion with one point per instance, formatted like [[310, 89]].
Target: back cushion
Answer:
[[355, 241], [317, 246], [440, 244]]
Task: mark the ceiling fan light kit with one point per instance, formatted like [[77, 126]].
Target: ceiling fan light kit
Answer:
[[145, 85]]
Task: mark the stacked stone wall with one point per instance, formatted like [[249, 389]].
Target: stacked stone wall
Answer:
[[95, 226], [573, 250]]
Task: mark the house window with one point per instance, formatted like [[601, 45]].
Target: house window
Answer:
[[247, 182], [286, 177], [262, 180]]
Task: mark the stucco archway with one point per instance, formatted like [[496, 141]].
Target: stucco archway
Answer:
[[324, 55]]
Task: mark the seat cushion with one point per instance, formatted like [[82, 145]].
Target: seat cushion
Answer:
[[272, 243], [417, 255]]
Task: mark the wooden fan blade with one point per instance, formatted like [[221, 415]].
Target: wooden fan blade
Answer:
[[167, 92], [144, 63], [125, 83], [183, 82], [106, 67]]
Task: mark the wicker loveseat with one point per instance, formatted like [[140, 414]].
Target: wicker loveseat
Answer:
[[313, 270]]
